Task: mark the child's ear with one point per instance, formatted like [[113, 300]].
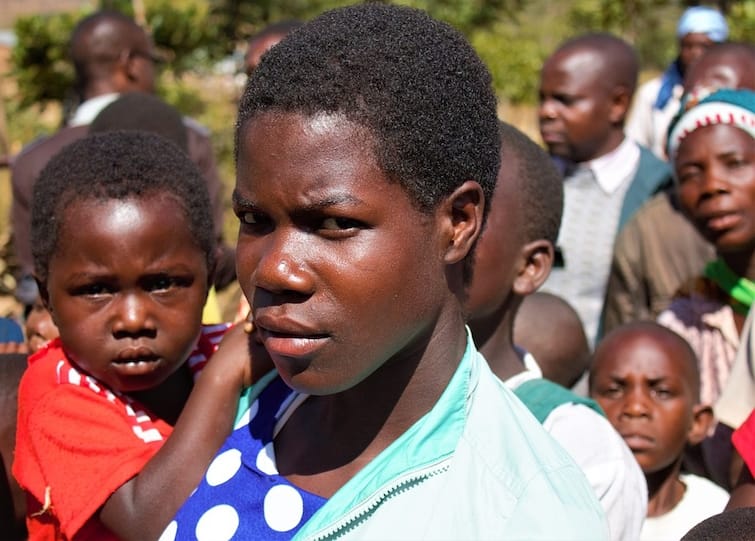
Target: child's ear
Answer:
[[536, 261], [462, 219], [621, 99], [702, 420]]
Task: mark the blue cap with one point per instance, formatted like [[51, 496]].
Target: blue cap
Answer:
[[703, 20]]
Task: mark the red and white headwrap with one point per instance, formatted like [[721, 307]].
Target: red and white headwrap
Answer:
[[732, 107]]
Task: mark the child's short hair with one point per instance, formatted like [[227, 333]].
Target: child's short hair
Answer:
[[415, 83], [116, 165], [541, 187]]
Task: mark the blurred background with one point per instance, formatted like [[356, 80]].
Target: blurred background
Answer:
[[203, 43]]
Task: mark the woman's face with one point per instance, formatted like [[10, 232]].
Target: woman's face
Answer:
[[342, 272], [715, 170]]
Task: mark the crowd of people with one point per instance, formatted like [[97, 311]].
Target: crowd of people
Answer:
[[447, 330]]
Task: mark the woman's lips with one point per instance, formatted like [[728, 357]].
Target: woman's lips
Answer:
[[722, 222], [291, 345]]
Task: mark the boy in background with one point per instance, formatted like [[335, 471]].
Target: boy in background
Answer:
[[512, 259], [645, 378]]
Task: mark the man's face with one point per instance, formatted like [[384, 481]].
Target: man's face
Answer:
[[576, 113]]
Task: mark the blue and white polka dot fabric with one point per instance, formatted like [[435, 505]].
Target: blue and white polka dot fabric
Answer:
[[242, 496]]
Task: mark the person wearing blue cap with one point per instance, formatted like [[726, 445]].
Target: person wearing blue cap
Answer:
[[657, 101], [712, 147]]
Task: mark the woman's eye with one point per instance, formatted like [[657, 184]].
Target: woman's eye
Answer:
[[338, 224], [249, 218]]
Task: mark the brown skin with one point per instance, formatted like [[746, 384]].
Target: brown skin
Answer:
[[507, 268], [743, 494], [550, 329], [715, 168], [582, 106], [691, 47], [129, 51], [373, 344], [726, 65], [39, 327], [127, 281], [644, 378]]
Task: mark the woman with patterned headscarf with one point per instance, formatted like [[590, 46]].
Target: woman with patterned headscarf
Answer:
[[711, 145]]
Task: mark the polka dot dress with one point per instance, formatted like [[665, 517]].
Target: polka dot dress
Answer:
[[242, 496]]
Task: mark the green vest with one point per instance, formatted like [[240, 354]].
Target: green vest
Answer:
[[542, 396]]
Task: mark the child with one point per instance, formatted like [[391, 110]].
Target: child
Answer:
[[367, 143], [586, 87], [645, 378], [512, 259], [124, 251], [550, 329], [712, 148]]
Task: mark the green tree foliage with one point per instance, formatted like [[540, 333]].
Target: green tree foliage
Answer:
[[39, 59]]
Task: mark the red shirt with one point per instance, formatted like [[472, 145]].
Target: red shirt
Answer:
[[77, 442], [744, 441]]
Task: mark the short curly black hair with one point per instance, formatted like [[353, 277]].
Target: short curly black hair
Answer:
[[541, 187], [415, 83], [116, 165]]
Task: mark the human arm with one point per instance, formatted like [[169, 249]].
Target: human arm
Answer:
[[142, 507]]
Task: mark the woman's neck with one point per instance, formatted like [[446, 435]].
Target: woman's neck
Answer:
[[742, 263], [354, 426]]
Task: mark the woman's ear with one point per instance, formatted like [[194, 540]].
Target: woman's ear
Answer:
[[462, 220], [536, 261], [702, 420]]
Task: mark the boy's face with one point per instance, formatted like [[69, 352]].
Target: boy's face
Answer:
[[576, 112], [126, 288], [715, 169], [39, 327], [342, 272], [647, 392], [498, 249]]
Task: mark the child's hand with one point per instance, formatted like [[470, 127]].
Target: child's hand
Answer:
[[235, 354]]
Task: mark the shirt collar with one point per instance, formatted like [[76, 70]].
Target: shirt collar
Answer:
[[612, 169], [88, 110]]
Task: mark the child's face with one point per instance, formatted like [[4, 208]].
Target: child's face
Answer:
[[715, 168], [645, 389], [126, 287], [342, 272], [39, 327], [576, 113], [497, 253]]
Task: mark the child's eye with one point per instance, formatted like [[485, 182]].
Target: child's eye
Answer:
[[92, 290], [663, 393], [165, 282], [610, 391]]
